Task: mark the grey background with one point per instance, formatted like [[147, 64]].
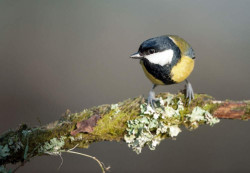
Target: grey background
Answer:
[[58, 55]]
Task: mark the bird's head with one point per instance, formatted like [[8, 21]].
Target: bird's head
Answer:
[[159, 50]]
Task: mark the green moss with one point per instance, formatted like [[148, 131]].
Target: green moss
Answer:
[[112, 125], [77, 117], [81, 140], [210, 107]]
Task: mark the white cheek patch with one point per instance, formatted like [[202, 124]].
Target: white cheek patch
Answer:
[[161, 58]]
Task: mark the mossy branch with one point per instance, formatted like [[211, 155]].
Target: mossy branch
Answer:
[[110, 124]]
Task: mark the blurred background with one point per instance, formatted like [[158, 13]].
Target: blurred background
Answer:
[[58, 55]]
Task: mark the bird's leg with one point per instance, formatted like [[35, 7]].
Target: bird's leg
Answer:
[[189, 91], [151, 97]]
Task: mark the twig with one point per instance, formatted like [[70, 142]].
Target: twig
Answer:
[[61, 162], [86, 155]]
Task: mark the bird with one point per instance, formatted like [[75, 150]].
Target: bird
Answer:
[[166, 60]]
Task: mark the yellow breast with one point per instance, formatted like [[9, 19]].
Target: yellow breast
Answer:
[[182, 69]]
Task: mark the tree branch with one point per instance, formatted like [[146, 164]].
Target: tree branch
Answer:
[[102, 123]]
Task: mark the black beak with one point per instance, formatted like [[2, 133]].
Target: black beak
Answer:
[[136, 56]]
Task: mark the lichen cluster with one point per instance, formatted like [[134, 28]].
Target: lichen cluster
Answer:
[[154, 125], [15, 144], [23, 147], [53, 146]]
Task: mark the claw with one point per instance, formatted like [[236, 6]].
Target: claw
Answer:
[[189, 92], [151, 98], [152, 102]]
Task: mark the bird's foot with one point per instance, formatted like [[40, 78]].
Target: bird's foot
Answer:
[[152, 100], [189, 92]]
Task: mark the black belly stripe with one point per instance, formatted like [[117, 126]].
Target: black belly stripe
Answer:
[[159, 72]]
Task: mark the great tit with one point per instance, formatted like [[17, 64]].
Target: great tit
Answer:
[[166, 60]]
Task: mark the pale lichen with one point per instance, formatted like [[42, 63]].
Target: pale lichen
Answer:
[[15, 144], [115, 107], [154, 125], [4, 151], [53, 146], [198, 114]]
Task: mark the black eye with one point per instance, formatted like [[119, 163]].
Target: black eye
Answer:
[[151, 51]]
